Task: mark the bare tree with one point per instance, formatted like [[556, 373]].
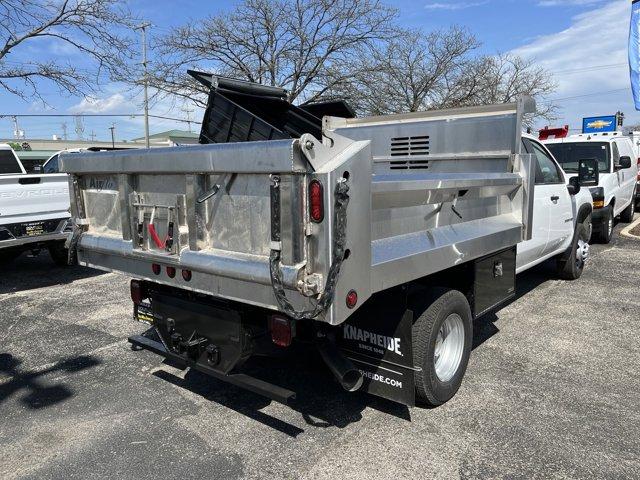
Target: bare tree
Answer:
[[417, 71], [411, 72], [501, 78], [296, 44], [90, 27]]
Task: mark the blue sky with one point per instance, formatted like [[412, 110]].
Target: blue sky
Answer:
[[583, 42]]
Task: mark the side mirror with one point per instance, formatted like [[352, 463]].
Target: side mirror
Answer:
[[574, 186], [625, 162], [588, 172]]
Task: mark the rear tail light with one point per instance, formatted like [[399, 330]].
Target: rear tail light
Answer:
[[137, 292], [171, 272], [282, 330], [352, 299], [316, 201], [186, 275], [156, 268]]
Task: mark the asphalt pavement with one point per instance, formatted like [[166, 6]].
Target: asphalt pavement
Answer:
[[552, 391]]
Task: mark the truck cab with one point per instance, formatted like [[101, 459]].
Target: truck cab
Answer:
[[614, 194], [561, 217]]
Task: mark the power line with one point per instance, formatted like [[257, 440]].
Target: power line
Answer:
[[594, 94], [591, 68], [104, 115]]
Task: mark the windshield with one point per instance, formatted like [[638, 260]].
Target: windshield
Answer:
[[569, 154]]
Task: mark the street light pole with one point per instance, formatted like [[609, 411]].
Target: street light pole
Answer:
[[144, 27], [113, 137]]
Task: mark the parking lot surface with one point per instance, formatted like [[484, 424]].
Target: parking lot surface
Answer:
[[552, 391]]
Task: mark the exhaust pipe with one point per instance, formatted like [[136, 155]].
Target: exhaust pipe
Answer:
[[342, 368]]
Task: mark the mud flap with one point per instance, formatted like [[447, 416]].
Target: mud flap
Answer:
[[377, 339]]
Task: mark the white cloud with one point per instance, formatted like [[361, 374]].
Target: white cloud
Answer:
[[454, 5], [589, 57], [115, 103], [566, 3]]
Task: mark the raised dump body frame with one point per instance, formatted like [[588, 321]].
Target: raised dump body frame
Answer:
[[426, 192]]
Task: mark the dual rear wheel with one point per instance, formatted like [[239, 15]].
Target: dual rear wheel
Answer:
[[442, 339]]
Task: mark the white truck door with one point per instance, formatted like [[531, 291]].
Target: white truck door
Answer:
[[627, 176], [555, 199], [531, 250]]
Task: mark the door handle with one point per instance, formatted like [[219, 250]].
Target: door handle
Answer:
[[555, 198]]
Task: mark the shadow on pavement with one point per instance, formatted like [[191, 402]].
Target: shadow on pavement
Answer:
[[27, 273], [37, 394], [485, 327], [320, 400]]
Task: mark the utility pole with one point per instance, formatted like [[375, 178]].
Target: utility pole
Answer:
[[64, 130], [93, 136], [143, 27], [113, 137], [17, 133], [188, 111]]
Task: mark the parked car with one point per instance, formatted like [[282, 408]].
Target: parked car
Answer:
[[615, 192], [34, 210]]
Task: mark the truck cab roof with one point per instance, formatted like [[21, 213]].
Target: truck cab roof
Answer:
[[589, 137]]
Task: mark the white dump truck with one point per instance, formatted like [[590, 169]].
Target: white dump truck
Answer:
[[376, 241]]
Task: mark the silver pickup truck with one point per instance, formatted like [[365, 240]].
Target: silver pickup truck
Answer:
[[34, 210], [376, 241]]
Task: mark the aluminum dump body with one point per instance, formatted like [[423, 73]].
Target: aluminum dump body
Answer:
[[426, 192]]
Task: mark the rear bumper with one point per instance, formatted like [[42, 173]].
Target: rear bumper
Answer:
[[40, 239], [60, 231]]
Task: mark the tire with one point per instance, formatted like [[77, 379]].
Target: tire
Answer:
[[8, 255], [439, 310], [627, 214], [606, 229], [60, 255], [571, 264]]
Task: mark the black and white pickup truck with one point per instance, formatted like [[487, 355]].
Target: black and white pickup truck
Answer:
[[34, 210]]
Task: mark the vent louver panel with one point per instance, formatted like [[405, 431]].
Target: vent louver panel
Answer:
[[410, 146]]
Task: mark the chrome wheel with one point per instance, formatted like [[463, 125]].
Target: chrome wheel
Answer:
[[447, 354], [582, 252]]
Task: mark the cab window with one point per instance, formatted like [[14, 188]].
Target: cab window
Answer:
[[52, 165], [547, 171], [8, 163]]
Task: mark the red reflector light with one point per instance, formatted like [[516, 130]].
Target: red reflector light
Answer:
[[186, 275], [352, 299], [316, 201], [137, 292], [171, 271], [156, 268], [282, 330]]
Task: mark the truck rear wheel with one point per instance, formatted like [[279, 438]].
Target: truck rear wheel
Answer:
[[442, 338], [606, 228], [627, 214], [571, 264]]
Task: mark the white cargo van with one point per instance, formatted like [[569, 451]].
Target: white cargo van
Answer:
[[614, 190]]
